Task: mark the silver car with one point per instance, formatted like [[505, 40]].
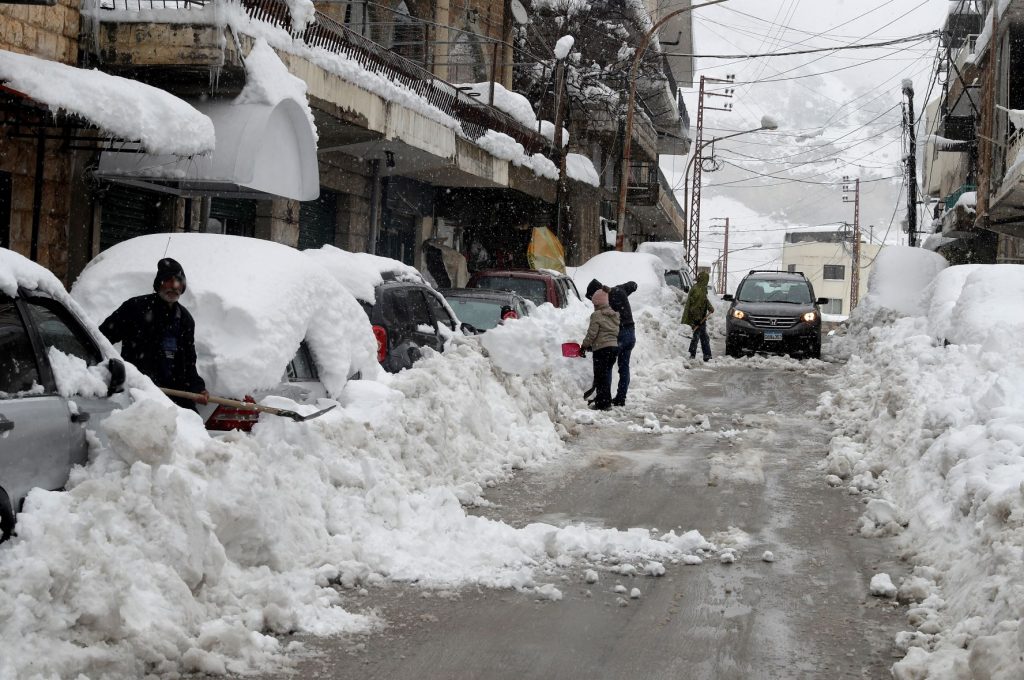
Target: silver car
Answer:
[[42, 434]]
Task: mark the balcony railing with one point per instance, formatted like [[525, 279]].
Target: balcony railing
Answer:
[[643, 184], [474, 117]]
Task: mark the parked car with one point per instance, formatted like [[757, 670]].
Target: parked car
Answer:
[[678, 279], [481, 309], [268, 321], [536, 285], [673, 255], [774, 311], [42, 432], [405, 312]]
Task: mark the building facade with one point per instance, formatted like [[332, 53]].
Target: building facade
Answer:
[[826, 259]]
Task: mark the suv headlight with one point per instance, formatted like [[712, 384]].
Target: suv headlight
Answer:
[[809, 317], [739, 314]]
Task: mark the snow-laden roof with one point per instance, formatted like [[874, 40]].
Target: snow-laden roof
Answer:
[[360, 273], [253, 301], [123, 108], [267, 81], [612, 268], [512, 103]]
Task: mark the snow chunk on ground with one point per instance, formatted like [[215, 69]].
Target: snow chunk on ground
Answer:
[[881, 586]]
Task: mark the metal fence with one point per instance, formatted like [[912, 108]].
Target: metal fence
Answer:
[[475, 117]]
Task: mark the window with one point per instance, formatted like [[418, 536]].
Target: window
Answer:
[[791, 268], [419, 313], [302, 368], [59, 330], [834, 306], [440, 313], [18, 369], [835, 272]]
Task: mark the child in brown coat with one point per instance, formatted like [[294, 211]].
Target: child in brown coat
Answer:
[[603, 339]]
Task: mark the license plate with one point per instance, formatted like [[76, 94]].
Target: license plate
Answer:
[[773, 335]]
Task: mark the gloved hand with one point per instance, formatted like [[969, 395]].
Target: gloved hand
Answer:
[[583, 353]]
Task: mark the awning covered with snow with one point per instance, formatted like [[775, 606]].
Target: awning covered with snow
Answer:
[[126, 109], [261, 150]]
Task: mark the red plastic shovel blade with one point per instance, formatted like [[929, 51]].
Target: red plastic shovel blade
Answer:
[[570, 349]]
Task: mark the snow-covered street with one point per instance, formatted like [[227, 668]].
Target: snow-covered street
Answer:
[[781, 598]]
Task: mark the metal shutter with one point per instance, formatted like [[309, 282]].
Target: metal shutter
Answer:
[[128, 212], [318, 220], [238, 216]]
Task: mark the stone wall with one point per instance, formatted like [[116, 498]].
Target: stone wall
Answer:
[[46, 32]]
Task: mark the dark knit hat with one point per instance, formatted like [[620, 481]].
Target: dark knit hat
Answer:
[[168, 268], [593, 286]]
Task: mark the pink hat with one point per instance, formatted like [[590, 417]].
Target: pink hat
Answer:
[[600, 298]]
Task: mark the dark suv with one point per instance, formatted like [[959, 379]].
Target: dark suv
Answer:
[[537, 285], [405, 317], [774, 311]]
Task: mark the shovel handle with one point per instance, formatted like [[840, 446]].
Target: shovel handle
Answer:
[[224, 401]]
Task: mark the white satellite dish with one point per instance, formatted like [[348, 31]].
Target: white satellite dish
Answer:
[[519, 13]]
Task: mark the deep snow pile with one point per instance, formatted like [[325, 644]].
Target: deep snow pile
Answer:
[[930, 429], [174, 552]]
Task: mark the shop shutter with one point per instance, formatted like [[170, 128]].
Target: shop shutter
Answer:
[[5, 210], [237, 216], [318, 220], [128, 212]]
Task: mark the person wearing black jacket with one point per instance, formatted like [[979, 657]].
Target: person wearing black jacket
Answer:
[[618, 300], [157, 334]]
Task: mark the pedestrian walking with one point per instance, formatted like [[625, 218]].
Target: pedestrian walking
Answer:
[[602, 339], [157, 334], [618, 300], [696, 314]]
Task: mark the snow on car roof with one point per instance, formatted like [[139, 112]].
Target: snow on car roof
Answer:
[[361, 273], [612, 268], [672, 253], [253, 301]]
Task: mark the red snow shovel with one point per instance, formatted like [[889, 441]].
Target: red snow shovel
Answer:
[[571, 349], [234, 403]]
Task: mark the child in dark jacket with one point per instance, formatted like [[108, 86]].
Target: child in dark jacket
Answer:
[[603, 340]]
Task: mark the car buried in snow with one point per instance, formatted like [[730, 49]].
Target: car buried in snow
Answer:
[[46, 346], [479, 309], [269, 322]]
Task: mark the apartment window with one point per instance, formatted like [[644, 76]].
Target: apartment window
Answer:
[[835, 272], [791, 268], [834, 306]]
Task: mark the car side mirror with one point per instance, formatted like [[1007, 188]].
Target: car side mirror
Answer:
[[728, 297], [469, 329], [415, 354], [117, 375], [821, 301]]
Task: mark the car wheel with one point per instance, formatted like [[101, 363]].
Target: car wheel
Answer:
[[732, 348], [6, 517]]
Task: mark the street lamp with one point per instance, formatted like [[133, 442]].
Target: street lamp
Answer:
[[627, 142], [767, 123]]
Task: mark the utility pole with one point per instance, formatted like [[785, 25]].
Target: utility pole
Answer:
[[855, 257], [723, 270], [692, 235], [556, 148], [908, 90]]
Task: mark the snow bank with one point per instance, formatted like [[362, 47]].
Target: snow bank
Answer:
[[250, 315], [898, 278], [933, 434]]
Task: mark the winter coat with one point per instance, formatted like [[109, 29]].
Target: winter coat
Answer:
[[603, 331], [697, 305], [159, 339], [618, 299]]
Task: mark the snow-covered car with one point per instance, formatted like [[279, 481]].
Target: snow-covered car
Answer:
[[480, 309], [673, 255], [406, 314], [268, 320], [57, 377], [613, 268], [536, 285]]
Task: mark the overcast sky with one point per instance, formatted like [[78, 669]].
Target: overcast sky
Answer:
[[846, 104]]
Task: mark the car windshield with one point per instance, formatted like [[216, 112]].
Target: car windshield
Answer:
[[674, 279], [774, 290], [480, 314], [535, 290]]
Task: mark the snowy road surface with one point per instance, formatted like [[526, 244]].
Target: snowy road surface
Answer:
[[751, 479]]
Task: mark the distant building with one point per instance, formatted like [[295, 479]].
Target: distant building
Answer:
[[826, 259]]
